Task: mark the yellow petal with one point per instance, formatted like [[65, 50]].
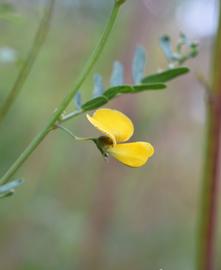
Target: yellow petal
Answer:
[[100, 127], [132, 154], [112, 123]]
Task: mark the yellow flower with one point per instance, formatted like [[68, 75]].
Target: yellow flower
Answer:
[[118, 128]]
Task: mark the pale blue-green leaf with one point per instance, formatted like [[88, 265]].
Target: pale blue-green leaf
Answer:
[[98, 86], [138, 65], [165, 44], [9, 187], [183, 39], [77, 100], [165, 76], [117, 77], [7, 55]]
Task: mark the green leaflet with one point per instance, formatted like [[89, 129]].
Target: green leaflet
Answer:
[[94, 103], [165, 76], [127, 89], [119, 90]]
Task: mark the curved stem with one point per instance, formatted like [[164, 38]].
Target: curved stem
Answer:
[[208, 211], [28, 63], [76, 138], [60, 109], [67, 131]]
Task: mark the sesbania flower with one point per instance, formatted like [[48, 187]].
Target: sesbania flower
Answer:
[[117, 129]]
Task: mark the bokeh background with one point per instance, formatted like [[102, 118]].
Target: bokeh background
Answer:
[[76, 211]]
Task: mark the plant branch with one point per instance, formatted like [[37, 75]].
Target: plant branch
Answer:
[[209, 196], [60, 109], [70, 116], [76, 138], [39, 39]]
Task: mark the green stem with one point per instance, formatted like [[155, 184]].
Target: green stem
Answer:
[[70, 116], [39, 39], [76, 138], [57, 114], [209, 197], [67, 131]]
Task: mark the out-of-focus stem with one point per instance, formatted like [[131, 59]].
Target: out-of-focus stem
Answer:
[[39, 39], [208, 215]]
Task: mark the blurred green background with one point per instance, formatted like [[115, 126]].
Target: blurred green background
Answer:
[[76, 211]]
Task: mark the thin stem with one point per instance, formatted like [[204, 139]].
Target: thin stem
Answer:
[[57, 114], [39, 39], [67, 131], [76, 138], [70, 116], [209, 197]]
